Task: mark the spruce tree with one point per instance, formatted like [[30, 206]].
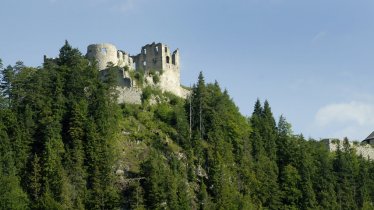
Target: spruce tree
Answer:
[[12, 195]]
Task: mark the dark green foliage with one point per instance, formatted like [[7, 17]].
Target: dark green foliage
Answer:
[[49, 116], [290, 179], [147, 92], [12, 195], [65, 144], [156, 78], [138, 77], [264, 151]]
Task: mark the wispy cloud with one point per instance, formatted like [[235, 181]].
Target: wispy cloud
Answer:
[[114, 5], [127, 5], [319, 36], [354, 119]]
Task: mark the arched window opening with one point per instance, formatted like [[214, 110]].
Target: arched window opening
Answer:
[[167, 59]]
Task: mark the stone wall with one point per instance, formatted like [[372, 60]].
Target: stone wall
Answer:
[[153, 57], [129, 95], [123, 77], [169, 81], [105, 53], [366, 150], [150, 57], [156, 57]]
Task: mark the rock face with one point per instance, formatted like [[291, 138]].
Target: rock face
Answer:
[[156, 58], [364, 149]]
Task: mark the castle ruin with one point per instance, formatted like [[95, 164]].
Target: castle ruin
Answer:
[[107, 53], [365, 148], [156, 58]]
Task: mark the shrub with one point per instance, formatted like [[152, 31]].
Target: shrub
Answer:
[[156, 78]]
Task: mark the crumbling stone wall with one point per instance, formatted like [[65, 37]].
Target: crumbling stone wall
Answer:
[[153, 57], [366, 150], [157, 57], [106, 53], [129, 95]]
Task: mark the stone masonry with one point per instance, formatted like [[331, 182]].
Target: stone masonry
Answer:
[[364, 149], [105, 53], [153, 58]]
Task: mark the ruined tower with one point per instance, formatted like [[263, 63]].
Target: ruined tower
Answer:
[[157, 57], [107, 53]]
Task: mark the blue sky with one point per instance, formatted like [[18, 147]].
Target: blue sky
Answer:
[[312, 60]]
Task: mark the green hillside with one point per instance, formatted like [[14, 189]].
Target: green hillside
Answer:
[[66, 144]]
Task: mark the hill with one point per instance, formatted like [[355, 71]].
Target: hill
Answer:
[[67, 144]]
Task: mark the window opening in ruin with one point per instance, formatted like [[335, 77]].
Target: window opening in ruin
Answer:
[[167, 59], [166, 49], [145, 51], [156, 50], [173, 60], [144, 63], [104, 50]]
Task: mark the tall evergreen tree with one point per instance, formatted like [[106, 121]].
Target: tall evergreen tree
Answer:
[[269, 132], [264, 150], [344, 167], [12, 195], [199, 107], [256, 137]]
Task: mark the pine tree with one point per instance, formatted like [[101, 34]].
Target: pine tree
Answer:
[[68, 55], [269, 132], [344, 167], [307, 171], [264, 152], [75, 153], [290, 181], [155, 184], [324, 180], [362, 196], [199, 106], [12, 195], [203, 197], [285, 148], [256, 135], [35, 179]]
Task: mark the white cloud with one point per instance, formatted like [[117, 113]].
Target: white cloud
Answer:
[[353, 112], [354, 119]]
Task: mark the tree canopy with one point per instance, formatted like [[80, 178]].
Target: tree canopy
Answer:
[[65, 143]]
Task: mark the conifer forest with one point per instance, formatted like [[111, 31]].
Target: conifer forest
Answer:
[[65, 143]]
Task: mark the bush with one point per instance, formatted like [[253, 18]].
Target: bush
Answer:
[[156, 78], [147, 92], [164, 113], [138, 76]]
